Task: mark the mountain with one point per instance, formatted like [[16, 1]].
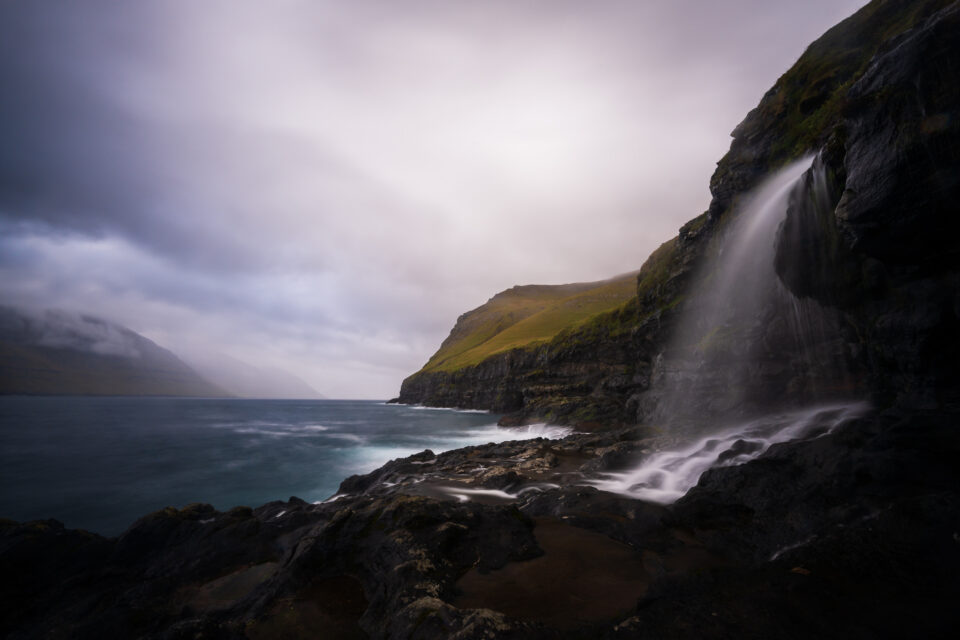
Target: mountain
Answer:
[[524, 316], [846, 528], [875, 99], [64, 353], [247, 381], [582, 372]]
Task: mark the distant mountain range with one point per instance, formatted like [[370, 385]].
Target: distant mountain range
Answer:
[[55, 352], [247, 381]]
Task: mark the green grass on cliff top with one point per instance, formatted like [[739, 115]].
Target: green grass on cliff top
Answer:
[[810, 96], [800, 111], [527, 315]]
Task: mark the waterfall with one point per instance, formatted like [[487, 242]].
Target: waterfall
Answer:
[[667, 475], [749, 364], [744, 343]]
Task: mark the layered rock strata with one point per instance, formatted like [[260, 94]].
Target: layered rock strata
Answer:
[[851, 533], [876, 98]]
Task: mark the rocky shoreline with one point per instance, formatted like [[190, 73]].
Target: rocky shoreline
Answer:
[[850, 532], [853, 534]]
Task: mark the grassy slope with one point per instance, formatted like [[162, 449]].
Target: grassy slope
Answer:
[[809, 98], [805, 106], [525, 316], [650, 297], [798, 114]]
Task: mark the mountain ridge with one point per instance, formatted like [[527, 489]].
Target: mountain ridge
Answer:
[[524, 315], [245, 380], [59, 352], [847, 531], [55, 352], [606, 370]]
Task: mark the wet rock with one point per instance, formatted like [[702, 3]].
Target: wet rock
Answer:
[[358, 484], [499, 478], [852, 534], [739, 448], [615, 457], [620, 518], [868, 510]]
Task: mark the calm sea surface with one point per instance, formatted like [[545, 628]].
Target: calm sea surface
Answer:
[[100, 463]]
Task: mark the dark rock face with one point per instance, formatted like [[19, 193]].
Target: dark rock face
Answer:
[[883, 249], [876, 97], [835, 526], [397, 539], [852, 534], [590, 376]]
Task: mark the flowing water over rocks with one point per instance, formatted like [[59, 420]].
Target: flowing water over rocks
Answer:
[[744, 342], [506, 541], [666, 476], [735, 530], [845, 526], [744, 346]]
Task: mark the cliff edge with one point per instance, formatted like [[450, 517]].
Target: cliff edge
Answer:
[[875, 97]]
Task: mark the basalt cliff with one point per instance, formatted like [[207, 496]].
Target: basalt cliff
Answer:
[[823, 517], [876, 99]]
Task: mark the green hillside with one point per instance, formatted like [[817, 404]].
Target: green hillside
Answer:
[[526, 315]]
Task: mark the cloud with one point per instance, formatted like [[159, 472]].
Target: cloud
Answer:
[[325, 186], [61, 329]]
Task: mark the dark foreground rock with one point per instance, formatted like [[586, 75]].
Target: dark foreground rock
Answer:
[[852, 534]]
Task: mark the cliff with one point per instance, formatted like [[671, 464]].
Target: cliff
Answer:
[[875, 96], [584, 373], [525, 316], [846, 531]]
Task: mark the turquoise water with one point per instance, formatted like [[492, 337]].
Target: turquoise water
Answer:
[[100, 463]]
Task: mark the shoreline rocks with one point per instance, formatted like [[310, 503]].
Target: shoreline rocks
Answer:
[[851, 533]]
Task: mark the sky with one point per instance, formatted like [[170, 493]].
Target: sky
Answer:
[[324, 186]]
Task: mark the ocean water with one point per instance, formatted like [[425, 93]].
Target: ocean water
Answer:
[[100, 463]]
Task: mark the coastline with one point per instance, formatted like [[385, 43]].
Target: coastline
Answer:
[[633, 527], [138, 455], [464, 543]]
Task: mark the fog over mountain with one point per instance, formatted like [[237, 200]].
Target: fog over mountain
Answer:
[[53, 351], [57, 352], [323, 187], [248, 381]]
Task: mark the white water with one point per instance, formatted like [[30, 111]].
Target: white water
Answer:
[[538, 430], [420, 407], [465, 494], [717, 344], [371, 456], [664, 477], [746, 257], [724, 357]]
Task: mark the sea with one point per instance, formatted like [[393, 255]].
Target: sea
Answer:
[[99, 463]]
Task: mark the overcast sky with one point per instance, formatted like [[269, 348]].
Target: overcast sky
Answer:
[[326, 186]]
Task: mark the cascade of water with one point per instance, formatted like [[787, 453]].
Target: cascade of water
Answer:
[[744, 342], [667, 475], [744, 346]]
